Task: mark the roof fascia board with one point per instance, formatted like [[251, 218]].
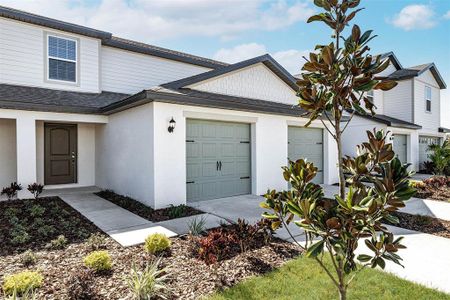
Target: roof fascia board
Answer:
[[26, 17]]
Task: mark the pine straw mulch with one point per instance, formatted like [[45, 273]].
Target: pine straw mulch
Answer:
[[190, 278], [146, 212], [424, 224]]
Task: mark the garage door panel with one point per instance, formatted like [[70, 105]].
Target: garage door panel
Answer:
[[209, 169], [227, 149], [243, 150], [193, 150], [223, 142], [307, 143], [424, 143], [400, 147]]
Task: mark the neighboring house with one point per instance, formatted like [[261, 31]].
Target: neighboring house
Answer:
[[80, 107], [411, 112]]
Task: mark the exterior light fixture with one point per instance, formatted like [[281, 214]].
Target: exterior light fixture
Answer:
[[171, 127]]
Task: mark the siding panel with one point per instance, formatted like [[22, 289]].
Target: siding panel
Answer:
[[430, 121], [398, 101], [22, 57], [127, 72], [256, 82]]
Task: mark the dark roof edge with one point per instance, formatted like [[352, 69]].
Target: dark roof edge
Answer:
[[406, 125], [150, 96], [437, 76], [154, 52], [47, 107], [27, 17], [105, 37], [393, 59], [266, 59], [444, 130]]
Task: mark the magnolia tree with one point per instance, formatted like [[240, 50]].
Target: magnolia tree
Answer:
[[333, 85]]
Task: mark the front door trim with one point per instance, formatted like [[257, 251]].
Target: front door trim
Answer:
[[70, 158]]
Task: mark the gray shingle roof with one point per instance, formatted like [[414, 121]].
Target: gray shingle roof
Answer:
[[108, 39], [266, 59], [40, 99], [415, 71], [204, 99], [390, 121]]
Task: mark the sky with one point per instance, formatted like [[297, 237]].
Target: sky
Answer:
[[417, 31]]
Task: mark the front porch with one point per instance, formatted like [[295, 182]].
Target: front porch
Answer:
[[29, 154]]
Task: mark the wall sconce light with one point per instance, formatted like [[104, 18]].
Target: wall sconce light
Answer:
[[171, 127]]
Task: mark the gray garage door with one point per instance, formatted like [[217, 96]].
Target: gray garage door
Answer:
[[218, 159], [307, 143], [424, 142], [400, 146]]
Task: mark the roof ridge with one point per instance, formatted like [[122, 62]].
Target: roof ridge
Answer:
[[107, 38]]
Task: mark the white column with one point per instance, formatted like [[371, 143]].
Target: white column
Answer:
[[26, 153]]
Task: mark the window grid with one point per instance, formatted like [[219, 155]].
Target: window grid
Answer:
[[428, 99], [61, 59]]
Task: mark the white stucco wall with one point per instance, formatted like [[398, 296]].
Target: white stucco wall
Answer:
[[85, 160], [356, 133], [265, 85], [269, 149], [124, 154], [8, 166], [412, 145]]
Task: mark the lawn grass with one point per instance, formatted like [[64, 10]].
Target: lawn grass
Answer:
[[302, 278]]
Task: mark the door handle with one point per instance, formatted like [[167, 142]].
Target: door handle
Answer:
[[217, 165], [73, 155], [220, 166]]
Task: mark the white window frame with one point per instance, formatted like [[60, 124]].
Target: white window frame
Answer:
[[48, 57], [370, 95], [428, 88]]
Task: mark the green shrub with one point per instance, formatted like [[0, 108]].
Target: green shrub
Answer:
[[46, 230], [37, 210], [147, 283], [98, 261], [96, 241], [28, 258], [197, 226], [22, 282], [19, 235], [177, 211], [59, 243], [157, 242]]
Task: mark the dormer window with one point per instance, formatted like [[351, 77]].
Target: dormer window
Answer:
[[62, 59], [428, 98]]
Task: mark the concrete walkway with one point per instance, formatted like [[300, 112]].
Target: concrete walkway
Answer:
[[414, 206], [426, 259], [123, 226]]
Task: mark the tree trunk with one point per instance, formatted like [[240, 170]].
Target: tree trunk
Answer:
[[342, 293], [340, 168]]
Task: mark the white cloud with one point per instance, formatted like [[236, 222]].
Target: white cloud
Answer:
[[447, 15], [291, 59], [415, 16], [162, 19]]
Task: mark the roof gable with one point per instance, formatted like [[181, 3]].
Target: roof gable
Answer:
[[258, 78]]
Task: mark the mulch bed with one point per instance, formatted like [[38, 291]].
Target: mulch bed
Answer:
[[146, 212], [190, 278], [424, 224], [435, 193]]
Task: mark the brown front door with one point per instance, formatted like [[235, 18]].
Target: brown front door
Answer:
[[60, 153]]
